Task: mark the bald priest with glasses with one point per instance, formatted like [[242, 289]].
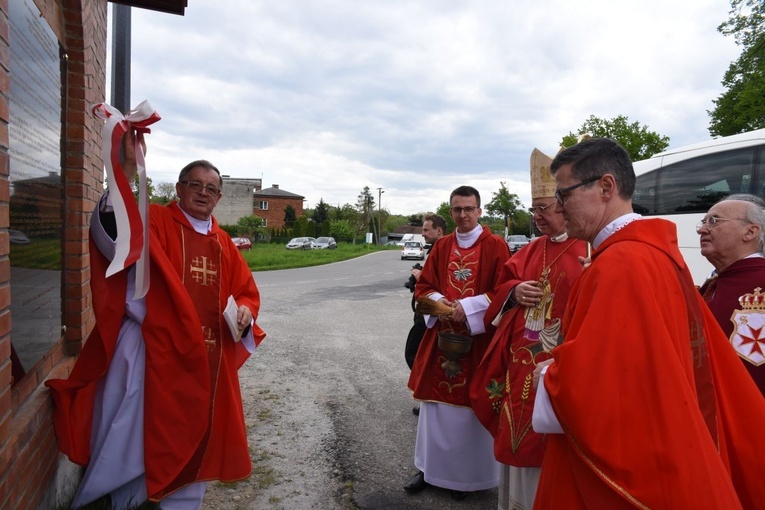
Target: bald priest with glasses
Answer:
[[732, 237]]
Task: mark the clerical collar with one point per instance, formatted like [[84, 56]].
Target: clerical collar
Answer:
[[612, 227], [200, 226], [559, 238], [468, 239]]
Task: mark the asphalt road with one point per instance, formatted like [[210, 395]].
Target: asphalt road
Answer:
[[326, 403]]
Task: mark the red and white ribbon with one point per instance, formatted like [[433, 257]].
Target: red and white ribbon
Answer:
[[132, 245]]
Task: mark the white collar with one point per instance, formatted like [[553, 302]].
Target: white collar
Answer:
[[612, 227], [560, 238], [468, 239], [200, 226]]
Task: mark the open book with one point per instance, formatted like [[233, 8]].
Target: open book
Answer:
[[230, 315]]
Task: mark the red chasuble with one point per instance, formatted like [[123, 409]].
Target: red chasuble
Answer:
[[656, 408], [193, 419], [743, 324], [456, 273], [502, 394]]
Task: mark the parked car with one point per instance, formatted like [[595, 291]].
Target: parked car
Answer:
[[242, 243], [300, 243], [412, 250], [17, 237], [324, 243], [516, 242]]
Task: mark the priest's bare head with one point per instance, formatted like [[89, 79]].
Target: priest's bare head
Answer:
[[199, 189], [732, 229]]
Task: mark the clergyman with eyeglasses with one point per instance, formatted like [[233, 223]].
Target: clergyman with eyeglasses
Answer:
[[732, 238], [452, 449], [527, 309], [152, 406], [645, 404]]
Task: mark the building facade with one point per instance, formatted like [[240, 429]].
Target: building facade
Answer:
[[237, 200], [270, 204]]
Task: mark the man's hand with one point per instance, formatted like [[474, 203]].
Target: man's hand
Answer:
[[527, 293], [585, 261], [129, 165], [458, 313], [416, 273], [538, 371], [243, 317]]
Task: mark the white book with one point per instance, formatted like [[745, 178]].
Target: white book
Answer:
[[230, 315]]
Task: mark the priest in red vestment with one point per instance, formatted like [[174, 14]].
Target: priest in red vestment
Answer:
[[452, 449], [645, 404], [732, 234], [152, 406], [527, 308]]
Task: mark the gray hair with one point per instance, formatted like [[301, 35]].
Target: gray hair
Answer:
[[200, 163], [755, 213]]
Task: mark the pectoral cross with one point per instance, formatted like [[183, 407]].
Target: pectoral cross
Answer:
[[202, 271]]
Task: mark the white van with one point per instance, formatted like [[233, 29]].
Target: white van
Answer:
[[682, 184]]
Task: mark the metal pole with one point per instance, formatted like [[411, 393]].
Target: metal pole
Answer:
[[380, 191], [121, 26]]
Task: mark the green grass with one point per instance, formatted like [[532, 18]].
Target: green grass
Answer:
[[41, 253], [267, 257]]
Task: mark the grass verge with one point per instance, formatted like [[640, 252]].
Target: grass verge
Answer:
[[268, 257]]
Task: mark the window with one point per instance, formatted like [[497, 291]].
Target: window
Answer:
[[695, 185], [263, 205], [265, 222]]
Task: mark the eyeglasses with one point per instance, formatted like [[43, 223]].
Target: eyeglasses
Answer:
[[467, 210], [561, 194], [713, 221], [540, 208], [196, 187]]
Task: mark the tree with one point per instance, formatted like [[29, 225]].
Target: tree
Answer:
[[365, 205], [444, 211], [164, 193], [249, 226], [289, 216], [636, 140], [321, 213], [503, 203], [742, 106], [341, 230]]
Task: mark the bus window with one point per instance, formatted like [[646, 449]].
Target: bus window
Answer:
[[695, 185], [644, 197]]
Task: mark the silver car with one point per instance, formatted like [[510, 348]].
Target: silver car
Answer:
[[300, 243]]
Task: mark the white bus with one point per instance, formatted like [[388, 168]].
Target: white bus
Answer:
[[682, 184]]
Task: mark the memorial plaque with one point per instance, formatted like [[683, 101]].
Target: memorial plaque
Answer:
[[36, 201]]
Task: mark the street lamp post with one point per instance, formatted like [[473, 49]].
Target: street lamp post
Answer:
[[380, 191]]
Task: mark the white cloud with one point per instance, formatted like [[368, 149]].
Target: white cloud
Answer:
[[415, 97]]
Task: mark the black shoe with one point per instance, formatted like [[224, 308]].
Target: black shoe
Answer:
[[416, 483], [459, 495], [416, 411]]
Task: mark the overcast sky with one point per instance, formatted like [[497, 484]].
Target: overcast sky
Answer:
[[415, 97]]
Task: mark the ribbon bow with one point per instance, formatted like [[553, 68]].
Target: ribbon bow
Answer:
[[132, 245]]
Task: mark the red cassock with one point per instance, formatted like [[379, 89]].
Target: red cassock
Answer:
[[502, 394], [656, 409], [456, 273], [193, 419]]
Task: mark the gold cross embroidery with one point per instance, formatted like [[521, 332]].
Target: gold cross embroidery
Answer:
[[209, 335], [203, 271]]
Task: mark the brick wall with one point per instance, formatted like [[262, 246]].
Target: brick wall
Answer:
[[274, 215], [29, 458]]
